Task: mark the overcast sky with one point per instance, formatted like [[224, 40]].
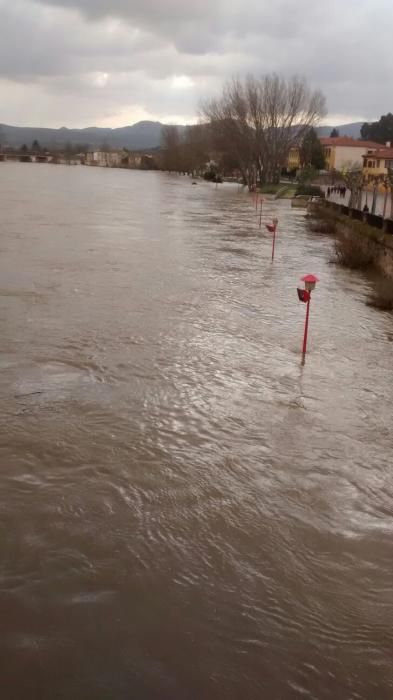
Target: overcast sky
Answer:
[[113, 62]]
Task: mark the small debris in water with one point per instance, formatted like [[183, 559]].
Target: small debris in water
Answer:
[[32, 393]]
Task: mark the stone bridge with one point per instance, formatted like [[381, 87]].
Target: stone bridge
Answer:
[[25, 157]]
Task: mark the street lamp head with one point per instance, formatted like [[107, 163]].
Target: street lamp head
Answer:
[[310, 282]]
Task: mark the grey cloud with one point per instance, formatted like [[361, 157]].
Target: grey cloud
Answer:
[[122, 58], [34, 44], [201, 25]]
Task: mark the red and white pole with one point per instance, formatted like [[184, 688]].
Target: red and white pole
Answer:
[[305, 337], [305, 296], [273, 228], [274, 241]]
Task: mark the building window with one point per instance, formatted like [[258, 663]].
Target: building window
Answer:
[[378, 163]]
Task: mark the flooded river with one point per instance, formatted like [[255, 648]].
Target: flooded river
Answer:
[[186, 512]]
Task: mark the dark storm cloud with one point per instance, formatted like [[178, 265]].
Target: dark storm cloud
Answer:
[[123, 59], [201, 25]]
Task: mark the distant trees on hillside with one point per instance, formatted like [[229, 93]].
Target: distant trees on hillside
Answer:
[[258, 121], [380, 131], [334, 134]]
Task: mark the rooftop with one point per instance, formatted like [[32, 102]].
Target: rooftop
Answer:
[[381, 153]]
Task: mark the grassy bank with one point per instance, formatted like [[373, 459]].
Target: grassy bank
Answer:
[[288, 192], [279, 190], [270, 188]]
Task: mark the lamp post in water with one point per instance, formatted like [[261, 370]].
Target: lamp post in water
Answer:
[[305, 296], [273, 228]]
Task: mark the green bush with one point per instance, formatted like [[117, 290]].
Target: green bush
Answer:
[[270, 188], [309, 191]]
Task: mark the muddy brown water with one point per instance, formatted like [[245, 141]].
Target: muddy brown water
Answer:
[[186, 512]]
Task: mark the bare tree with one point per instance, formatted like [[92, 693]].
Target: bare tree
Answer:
[[171, 149], [260, 120], [195, 148], [184, 150], [354, 180], [287, 112], [231, 131]]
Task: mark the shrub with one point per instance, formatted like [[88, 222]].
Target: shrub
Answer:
[[382, 296], [210, 175], [270, 188], [321, 226], [355, 253]]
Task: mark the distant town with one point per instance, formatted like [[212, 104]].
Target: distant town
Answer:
[[104, 158], [242, 136], [339, 154]]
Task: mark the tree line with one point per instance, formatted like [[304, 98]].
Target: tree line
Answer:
[[380, 131], [251, 126], [184, 150]]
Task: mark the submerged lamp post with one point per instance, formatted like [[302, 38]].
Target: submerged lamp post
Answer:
[[273, 228], [255, 195], [305, 296], [260, 213]]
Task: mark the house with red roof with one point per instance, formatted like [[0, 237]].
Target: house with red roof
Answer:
[[342, 151], [377, 163]]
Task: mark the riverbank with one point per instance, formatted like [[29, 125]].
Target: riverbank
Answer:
[[358, 246], [360, 231], [280, 190]]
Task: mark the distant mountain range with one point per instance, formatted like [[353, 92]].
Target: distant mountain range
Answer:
[[352, 130], [141, 136]]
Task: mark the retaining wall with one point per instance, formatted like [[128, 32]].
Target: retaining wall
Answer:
[[366, 229]]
